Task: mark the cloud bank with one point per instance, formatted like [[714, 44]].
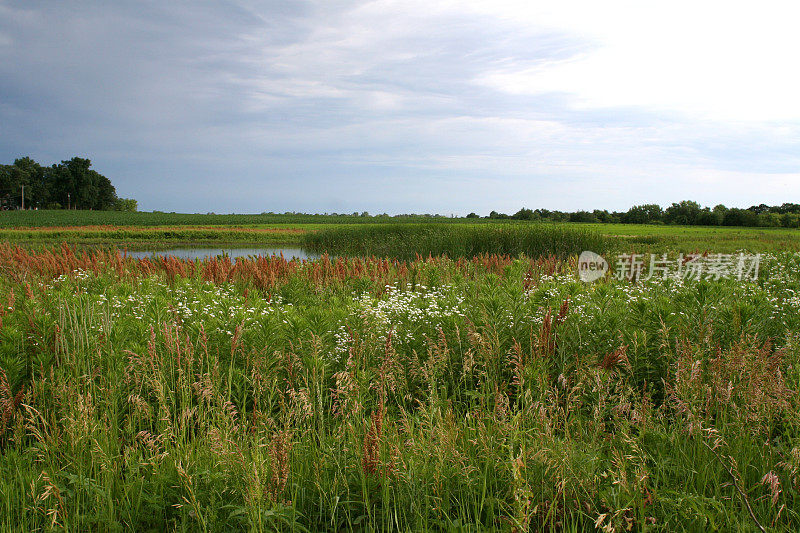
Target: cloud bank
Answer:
[[386, 106]]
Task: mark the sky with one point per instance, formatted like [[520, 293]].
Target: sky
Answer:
[[449, 107]]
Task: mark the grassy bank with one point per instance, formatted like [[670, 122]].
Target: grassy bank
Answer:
[[142, 236], [153, 229], [351, 394], [659, 238], [408, 241]]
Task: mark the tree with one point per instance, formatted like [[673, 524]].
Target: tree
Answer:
[[643, 214], [602, 215], [75, 184], [72, 182], [686, 213], [719, 213], [707, 217], [787, 208], [523, 214], [34, 178], [582, 216], [27, 173], [125, 204], [8, 187], [791, 220], [91, 189], [740, 217], [770, 220], [473, 215]]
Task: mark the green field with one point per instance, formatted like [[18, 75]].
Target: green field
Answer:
[[154, 229], [50, 218]]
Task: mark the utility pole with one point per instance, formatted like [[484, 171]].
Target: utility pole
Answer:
[[23, 198]]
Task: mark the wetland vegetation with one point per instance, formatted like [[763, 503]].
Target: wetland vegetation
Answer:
[[463, 393]]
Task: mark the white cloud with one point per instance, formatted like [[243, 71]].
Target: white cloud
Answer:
[[727, 61]]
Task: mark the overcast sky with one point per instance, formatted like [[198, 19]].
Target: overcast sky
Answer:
[[409, 106]]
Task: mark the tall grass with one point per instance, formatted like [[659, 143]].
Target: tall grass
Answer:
[[406, 241], [438, 394]]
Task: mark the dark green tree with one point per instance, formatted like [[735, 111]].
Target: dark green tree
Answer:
[[523, 214], [686, 213], [643, 214], [582, 216], [740, 217], [76, 185], [27, 173]]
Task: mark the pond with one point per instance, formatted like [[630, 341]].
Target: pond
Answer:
[[204, 252]]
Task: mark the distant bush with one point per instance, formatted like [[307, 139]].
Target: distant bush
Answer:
[[128, 205]]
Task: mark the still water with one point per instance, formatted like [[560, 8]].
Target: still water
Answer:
[[233, 253]]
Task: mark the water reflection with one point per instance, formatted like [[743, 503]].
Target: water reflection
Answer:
[[233, 253]]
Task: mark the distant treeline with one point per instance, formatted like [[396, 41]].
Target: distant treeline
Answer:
[[687, 212], [70, 184]]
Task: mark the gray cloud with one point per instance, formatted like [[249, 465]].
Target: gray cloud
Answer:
[[340, 106]]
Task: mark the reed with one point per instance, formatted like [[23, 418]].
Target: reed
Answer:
[[407, 241]]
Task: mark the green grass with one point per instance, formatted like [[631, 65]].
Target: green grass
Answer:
[[436, 395], [152, 236], [406, 241], [153, 229], [47, 218], [657, 238]]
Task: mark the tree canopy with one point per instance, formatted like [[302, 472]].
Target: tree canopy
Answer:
[[687, 212], [69, 184]]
